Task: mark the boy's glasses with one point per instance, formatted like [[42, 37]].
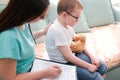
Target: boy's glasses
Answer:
[[77, 18]]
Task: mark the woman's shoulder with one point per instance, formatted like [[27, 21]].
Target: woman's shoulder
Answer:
[[10, 33]]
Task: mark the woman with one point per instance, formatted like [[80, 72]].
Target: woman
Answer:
[[17, 43]]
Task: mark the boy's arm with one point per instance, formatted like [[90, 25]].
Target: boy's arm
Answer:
[[67, 53], [95, 60]]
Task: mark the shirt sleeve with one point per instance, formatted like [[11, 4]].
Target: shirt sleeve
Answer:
[[60, 38], [8, 45]]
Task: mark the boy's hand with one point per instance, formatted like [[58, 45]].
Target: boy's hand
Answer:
[[92, 68], [95, 61]]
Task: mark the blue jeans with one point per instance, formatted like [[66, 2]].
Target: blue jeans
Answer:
[[84, 74]]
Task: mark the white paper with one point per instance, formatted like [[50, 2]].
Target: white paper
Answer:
[[68, 72]]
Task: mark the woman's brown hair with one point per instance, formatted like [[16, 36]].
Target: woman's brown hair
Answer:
[[19, 12]]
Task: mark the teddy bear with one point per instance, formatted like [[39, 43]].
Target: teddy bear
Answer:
[[78, 43]]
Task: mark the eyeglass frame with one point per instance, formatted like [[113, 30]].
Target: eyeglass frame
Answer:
[[77, 18]]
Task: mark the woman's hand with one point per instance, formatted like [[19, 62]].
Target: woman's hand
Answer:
[[46, 29], [52, 72], [41, 33]]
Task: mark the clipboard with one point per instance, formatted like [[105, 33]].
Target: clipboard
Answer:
[[68, 71]]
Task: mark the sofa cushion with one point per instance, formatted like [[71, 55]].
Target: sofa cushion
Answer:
[[116, 11], [105, 41], [52, 13], [98, 12], [2, 6], [81, 26]]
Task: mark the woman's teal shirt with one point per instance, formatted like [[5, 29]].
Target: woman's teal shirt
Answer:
[[18, 44]]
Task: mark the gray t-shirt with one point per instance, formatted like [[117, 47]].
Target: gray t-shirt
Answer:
[[58, 35]]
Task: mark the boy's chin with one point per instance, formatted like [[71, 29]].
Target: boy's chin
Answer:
[[71, 25]]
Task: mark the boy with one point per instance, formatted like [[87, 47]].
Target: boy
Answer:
[[60, 36]]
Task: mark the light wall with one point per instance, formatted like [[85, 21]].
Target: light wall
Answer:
[[4, 1]]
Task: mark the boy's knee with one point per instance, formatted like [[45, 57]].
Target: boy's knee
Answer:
[[103, 68], [90, 76]]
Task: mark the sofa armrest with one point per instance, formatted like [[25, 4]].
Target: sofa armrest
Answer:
[[116, 11]]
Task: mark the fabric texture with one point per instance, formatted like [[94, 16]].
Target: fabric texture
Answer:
[[98, 12], [105, 41], [19, 45]]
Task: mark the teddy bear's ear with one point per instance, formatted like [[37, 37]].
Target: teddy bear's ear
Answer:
[[77, 46], [82, 38], [76, 37]]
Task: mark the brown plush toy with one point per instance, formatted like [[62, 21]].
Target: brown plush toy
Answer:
[[78, 43]]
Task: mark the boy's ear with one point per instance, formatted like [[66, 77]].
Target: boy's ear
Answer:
[[64, 14]]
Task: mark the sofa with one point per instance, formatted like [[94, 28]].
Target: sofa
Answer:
[[99, 22]]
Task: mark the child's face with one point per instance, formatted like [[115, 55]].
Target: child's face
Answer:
[[73, 17]]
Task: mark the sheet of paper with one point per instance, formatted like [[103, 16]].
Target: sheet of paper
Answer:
[[68, 72]]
